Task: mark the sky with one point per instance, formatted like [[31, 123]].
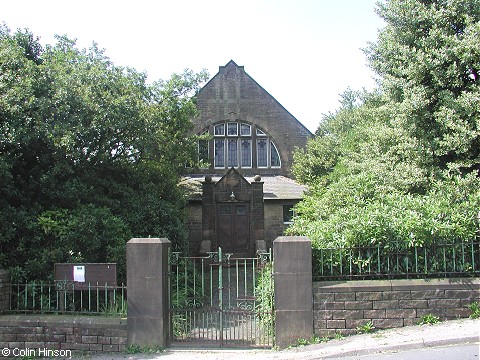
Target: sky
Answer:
[[305, 53]]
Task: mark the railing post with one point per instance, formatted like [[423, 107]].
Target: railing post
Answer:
[[148, 298], [293, 289]]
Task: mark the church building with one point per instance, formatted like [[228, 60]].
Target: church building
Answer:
[[243, 197]]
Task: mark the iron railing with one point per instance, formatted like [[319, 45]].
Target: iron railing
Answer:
[[384, 262], [66, 297]]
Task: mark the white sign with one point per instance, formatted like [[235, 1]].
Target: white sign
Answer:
[[79, 273]]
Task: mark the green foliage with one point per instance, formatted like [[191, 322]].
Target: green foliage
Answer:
[[366, 328], [429, 319], [398, 168], [116, 308], [265, 298], [429, 63], [475, 308], [90, 154], [313, 340], [137, 349], [186, 293]]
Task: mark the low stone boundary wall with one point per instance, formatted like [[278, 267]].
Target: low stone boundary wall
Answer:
[[63, 332], [342, 306]]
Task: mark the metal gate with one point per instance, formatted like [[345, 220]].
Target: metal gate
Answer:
[[219, 300]]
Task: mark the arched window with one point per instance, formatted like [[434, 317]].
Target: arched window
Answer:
[[239, 145]]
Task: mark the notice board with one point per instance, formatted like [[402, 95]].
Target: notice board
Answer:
[[87, 275]]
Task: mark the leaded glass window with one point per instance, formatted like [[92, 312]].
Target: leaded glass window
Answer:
[[219, 153], [262, 152], [219, 130], [245, 130], [246, 153], [232, 129], [260, 132], [274, 157], [232, 153], [237, 144]]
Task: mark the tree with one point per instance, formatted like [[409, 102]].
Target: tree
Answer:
[[428, 60], [399, 167], [90, 154]]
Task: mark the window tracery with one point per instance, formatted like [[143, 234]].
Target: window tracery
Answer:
[[240, 145]]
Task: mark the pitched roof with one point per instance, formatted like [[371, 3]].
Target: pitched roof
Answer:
[[274, 187]]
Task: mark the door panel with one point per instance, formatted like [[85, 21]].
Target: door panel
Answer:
[[224, 227], [240, 227], [233, 227]]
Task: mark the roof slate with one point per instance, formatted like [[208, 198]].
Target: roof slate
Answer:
[[274, 187]]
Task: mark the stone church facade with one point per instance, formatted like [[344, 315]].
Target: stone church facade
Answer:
[[242, 198]]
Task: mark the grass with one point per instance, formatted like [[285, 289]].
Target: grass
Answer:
[[429, 319], [315, 340], [475, 309], [136, 349], [366, 328]]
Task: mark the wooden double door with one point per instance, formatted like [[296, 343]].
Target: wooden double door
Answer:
[[233, 227]]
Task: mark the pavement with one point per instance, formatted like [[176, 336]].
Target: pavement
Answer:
[[453, 332]]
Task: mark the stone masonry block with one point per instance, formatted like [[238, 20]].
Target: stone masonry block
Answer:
[[413, 304], [52, 345], [410, 321], [386, 304], [93, 331], [467, 302], [323, 314], [89, 339], [110, 348], [320, 324], [73, 338], [428, 294], [387, 323], [461, 294], [119, 340], [358, 305], [16, 344], [96, 347], [34, 344], [335, 324], [444, 303], [353, 324], [458, 312], [374, 314], [30, 337], [322, 297], [437, 312], [347, 296], [397, 295], [8, 337], [401, 314], [105, 340], [369, 295], [347, 314], [334, 306]]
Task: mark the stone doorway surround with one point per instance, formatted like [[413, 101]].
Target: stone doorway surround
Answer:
[[233, 188]]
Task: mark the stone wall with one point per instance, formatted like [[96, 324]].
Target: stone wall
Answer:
[[194, 225], [341, 307], [63, 332], [4, 290], [232, 95], [274, 225]]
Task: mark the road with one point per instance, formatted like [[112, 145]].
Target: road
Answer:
[[453, 352]]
